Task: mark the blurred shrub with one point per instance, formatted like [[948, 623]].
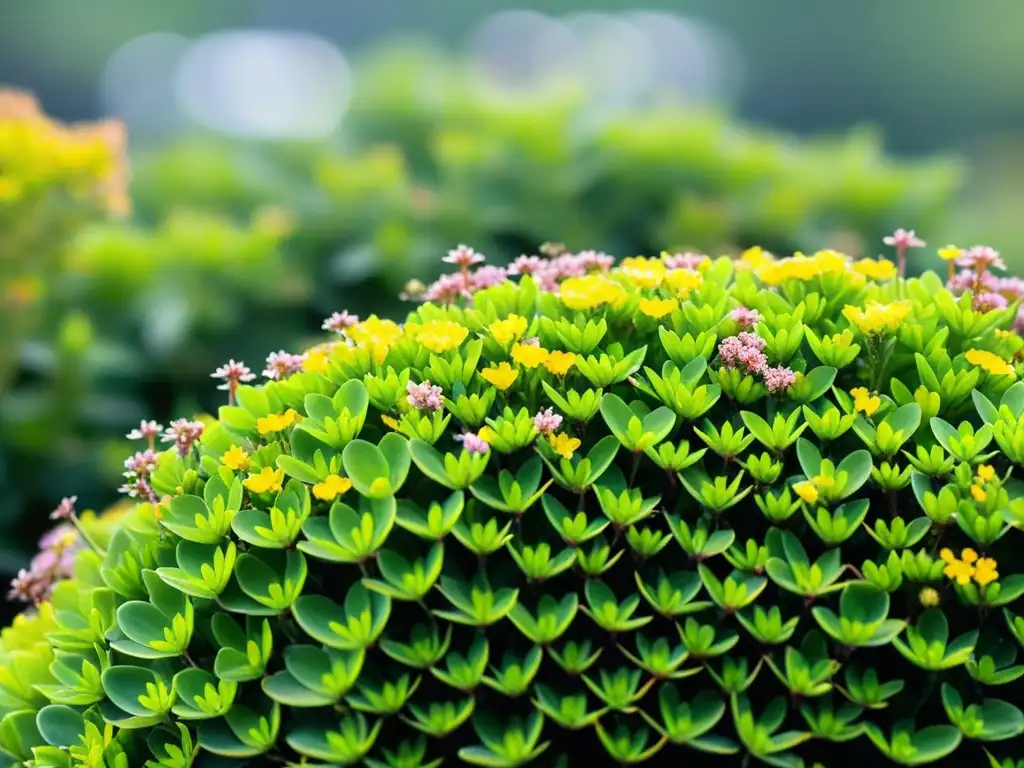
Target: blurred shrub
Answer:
[[265, 238]]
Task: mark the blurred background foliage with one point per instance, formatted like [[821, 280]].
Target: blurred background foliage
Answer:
[[260, 204]]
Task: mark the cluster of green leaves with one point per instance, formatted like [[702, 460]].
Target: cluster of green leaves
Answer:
[[496, 608], [418, 176]]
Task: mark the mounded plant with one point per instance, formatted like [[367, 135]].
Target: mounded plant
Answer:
[[673, 508]]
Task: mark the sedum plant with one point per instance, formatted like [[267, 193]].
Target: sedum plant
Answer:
[[740, 511]]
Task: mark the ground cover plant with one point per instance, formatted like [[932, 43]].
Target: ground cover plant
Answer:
[[736, 511]]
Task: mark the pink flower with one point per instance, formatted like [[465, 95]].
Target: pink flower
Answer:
[[183, 433], [139, 488], [980, 258], [147, 430], [473, 443], [687, 260], [745, 317], [1011, 287], [141, 464], [339, 321], [527, 265], [743, 351], [969, 280], [463, 256], [425, 396], [1018, 324], [448, 288], [752, 340], [233, 373], [902, 239], [986, 302], [29, 587], [547, 421], [66, 509], [778, 379], [282, 364], [486, 276]]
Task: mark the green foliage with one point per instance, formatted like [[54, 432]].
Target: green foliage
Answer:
[[348, 591]]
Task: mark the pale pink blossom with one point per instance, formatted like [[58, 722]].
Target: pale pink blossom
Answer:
[[745, 317], [425, 396], [547, 421], [463, 256], [147, 430], [339, 321], [281, 365], [473, 443], [448, 288], [687, 260], [486, 276], [66, 509], [233, 373], [778, 379], [981, 258], [902, 239]]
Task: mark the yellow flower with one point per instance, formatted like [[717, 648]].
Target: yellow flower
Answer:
[[486, 434], [276, 422], [644, 273], [985, 571], [875, 317], [375, 335], [235, 458], [682, 281], [315, 361], [989, 362], [267, 480], [440, 335], [501, 376], [754, 258], [929, 597], [508, 330], [864, 402], [978, 493], [390, 421], [529, 355], [877, 269], [806, 490], [331, 487], [657, 308], [564, 445], [590, 291], [949, 253], [986, 473], [968, 555], [960, 571], [559, 362]]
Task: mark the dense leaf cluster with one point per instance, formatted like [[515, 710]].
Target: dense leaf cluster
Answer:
[[759, 508]]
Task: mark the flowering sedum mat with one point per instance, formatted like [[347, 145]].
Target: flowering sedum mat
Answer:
[[750, 510]]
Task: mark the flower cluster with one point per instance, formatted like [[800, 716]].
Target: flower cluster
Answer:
[[792, 479]]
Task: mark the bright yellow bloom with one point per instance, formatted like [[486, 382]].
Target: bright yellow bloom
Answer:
[[986, 473], [864, 402], [875, 317], [268, 479], [590, 291], [985, 571], [375, 335], [806, 490], [929, 597], [485, 433], [956, 569], [559, 362], [657, 308], [390, 421], [682, 281], [529, 355], [501, 376], [315, 361], [978, 493], [801, 267], [990, 362], [564, 445], [876, 269], [235, 458], [644, 273], [331, 487], [508, 330], [949, 253], [440, 335], [968, 555], [276, 422], [754, 258]]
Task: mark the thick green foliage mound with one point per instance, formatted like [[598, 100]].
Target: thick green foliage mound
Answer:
[[671, 509]]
